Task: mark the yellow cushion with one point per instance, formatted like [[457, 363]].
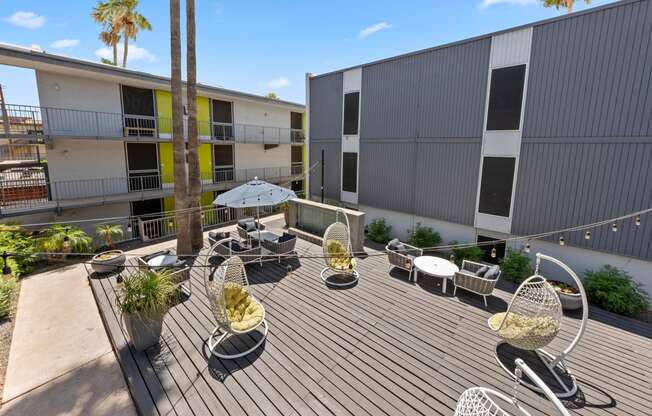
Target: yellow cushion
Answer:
[[243, 311], [520, 326], [339, 257]]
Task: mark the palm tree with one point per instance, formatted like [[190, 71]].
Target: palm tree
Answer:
[[108, 231], [128, 22], [194, 179], [178, 143], [568, 4], [103, 13]]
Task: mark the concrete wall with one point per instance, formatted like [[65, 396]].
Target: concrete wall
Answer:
[[63, 91], [245, 112], [121, 209], [255, 159]]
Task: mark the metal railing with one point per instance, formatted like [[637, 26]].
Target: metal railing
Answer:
[[297, 168], [29, 188], [20, 153], [34, 121]]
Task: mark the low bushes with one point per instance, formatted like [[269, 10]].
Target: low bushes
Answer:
[[515, 266], [378, 231], [473, 253], [423, 237], [8, 288], [14, 241], [63, 238], [614, 290]]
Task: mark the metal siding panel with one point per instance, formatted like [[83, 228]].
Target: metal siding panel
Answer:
[[332, 168], [566, 182], [326, 107], [590, 75]]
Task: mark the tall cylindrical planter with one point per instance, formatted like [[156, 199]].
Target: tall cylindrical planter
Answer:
[[144, 329]]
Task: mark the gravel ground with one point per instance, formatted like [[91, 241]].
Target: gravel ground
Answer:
[[6, 331]]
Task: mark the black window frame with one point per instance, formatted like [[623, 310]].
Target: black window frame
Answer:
[[214, 113], [296, 120], [216, 154], [349, 182], [351, 118], [492, 199], [128, 105], [505, 104], [137, 156]]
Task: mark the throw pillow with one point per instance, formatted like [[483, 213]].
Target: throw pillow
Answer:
[[393, 243], [492, 273], [481, 271]]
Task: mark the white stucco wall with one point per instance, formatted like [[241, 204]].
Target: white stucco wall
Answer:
[[253, 160], [62, 91], [403, 223], [86, 159], [121, 209], [245, 112]]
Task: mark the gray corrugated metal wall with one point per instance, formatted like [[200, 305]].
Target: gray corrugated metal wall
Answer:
[[332, 168], [590, 76], [326, 107], [566, 182], [436, 94]]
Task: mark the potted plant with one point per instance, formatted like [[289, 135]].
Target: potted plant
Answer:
[[110, 260], [568, 295], [60, 240], [144, 300], [286, 213]]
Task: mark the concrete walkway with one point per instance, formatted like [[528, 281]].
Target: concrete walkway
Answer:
[[61, 361]]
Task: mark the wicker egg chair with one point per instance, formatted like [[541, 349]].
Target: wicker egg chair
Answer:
[[533, 320], [338, 255], [481, 401], [235, 309]]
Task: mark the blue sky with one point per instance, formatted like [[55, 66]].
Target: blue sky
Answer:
[[260, 46]]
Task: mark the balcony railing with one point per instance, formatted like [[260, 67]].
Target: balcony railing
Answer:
[[18, 121], [30, 188], [20, 153], [297, 168]]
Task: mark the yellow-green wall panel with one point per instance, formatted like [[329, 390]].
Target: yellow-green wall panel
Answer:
[[204, 116], [206, 161], [168, 203], [207, 199], [166, 160], [164, 111]]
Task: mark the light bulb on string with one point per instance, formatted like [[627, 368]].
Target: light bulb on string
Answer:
[[527, 247], [493, 253], [452, 258], [562, 241], [129, 227], [614, 227], [637, 220], [587, 235]]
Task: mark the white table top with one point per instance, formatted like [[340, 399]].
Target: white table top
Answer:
[[435, 266], [264, 235], [164, 260]]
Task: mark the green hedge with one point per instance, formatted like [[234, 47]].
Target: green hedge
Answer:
[[378, 231], [423, 237], [515, 266], [614, 290]]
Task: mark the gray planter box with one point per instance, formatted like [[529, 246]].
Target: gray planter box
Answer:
[[570, 302], [144, 329], [109, 265]]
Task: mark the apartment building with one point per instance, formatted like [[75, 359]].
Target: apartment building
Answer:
[[106, 134], [523, 131]]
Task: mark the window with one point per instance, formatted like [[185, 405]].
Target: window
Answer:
[[506, 98], [500, 249], [142, 156], [496, 185], [223, 155], [137, 101], [350, 172], [297, 154], [351, 107], [296, 121], [222, 112]]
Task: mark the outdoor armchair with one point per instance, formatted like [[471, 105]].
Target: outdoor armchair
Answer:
[[229, 247], [402, 255], [167, 259], [247, 225], [282, 246], [477, 278]]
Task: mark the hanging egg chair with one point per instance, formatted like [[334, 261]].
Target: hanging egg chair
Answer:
[[338, 255], [532, 321], [482, 401]]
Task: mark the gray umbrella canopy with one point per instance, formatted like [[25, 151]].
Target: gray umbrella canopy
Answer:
[[254, 193]]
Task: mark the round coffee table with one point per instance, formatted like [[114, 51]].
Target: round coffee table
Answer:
[[435, 266]]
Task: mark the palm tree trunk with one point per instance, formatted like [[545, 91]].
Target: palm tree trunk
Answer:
[[178, 143], [115, 54], [124, 54], [194, 177]]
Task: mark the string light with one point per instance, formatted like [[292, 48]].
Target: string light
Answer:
[[637, 220], [527, 247], [452, 258], [562, 241], [129, 227], [6, 270], [493, 253], [614, 227], [587, 236]]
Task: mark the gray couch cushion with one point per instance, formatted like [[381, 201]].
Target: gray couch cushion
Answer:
[[492, 273], [243, 221], [481, 271], [393, 244], [250, 226]]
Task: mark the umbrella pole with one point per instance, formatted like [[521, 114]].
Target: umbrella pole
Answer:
[[258, 226]]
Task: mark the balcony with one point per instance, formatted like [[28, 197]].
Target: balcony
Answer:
[[20, 154], [26, 190], [21, 121]]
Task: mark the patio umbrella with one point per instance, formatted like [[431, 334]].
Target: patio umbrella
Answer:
[[255, 193]]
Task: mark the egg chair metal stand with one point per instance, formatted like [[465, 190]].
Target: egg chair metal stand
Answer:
[[536, 301], [222, 281], [482, 401], [341, 262]]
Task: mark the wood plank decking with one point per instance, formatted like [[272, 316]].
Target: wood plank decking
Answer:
[[385, 346]]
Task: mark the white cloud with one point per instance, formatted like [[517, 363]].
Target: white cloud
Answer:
[[489, 3], [29, 20], [277, 83], [64, 43], [135, 53], [368, 31]]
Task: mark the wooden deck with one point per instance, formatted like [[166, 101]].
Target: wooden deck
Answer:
[[385, 346]]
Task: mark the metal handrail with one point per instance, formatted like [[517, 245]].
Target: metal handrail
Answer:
[[20, 152]]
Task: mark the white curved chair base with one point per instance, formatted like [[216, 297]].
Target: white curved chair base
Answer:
[[548, 360], [325, 277], [213, 344]]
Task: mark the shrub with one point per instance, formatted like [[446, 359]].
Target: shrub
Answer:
[[56, 235], [12, 240], [378, 231], [147, 291], [7, 290], [515, 266], [424, 237], [473, 253], [614, 290], [108, 232]]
